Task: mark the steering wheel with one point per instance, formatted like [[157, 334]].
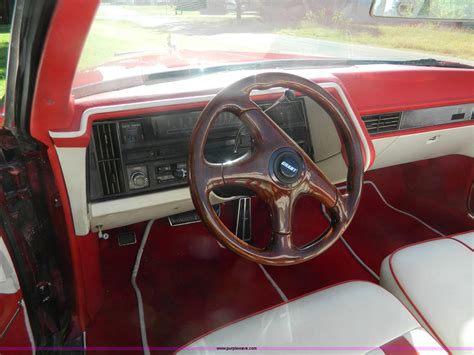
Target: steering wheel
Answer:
[[276, 169]]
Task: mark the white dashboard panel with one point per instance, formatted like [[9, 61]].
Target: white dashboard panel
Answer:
[[129, 210], [73, 166], [426, 145]]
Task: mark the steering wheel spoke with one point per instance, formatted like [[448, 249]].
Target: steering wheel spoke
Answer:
[[281, 207], [282, 244], [267, 136], [212, 175], [245, 172], [318, 186]]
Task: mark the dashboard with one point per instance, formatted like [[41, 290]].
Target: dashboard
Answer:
[[122, 155], [141, 154]]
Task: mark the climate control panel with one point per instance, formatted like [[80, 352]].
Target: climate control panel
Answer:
[[138, 177]]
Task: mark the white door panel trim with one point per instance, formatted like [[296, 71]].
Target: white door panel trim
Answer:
[[8, 280]]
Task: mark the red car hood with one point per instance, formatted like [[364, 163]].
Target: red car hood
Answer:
[[134, 64]]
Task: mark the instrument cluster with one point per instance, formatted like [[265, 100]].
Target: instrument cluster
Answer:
[[148, 153]]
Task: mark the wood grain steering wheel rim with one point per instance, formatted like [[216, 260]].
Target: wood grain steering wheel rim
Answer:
[[276, 169]]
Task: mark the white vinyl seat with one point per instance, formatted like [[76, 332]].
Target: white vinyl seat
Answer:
[[355, 317], [435, 281]]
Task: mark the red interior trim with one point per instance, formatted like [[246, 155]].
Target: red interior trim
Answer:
[[399, 345], [462, 243], [9, 311], [459, 241], [461, 233], [390, 88], [17, 335], [53, 105]]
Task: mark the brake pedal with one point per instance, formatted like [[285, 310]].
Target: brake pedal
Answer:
[[243, 228], [190, 217]]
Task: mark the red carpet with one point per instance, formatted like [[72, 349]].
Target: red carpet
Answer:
[[333, 266], [377, 230], [117, 323], [434, 190], [190, 285]]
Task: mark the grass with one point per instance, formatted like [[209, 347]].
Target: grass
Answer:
[[109, 38], [432, 38], [4, 41]]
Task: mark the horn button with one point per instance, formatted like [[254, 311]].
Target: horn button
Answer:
[[286, 166]]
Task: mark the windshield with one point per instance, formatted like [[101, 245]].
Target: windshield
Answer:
[[157, 36]]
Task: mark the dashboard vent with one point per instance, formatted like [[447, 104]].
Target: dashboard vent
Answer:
[[385, 122], [109, 164]]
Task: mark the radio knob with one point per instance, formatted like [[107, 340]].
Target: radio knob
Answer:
[[139, 179], [180, 173]]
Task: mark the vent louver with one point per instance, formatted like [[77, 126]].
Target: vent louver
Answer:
[[107, 149], [385, 122]]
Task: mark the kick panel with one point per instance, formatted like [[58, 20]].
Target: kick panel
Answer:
[[149, 153]]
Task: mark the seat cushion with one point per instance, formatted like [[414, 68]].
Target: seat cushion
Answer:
[[355, 317], [434, 279]]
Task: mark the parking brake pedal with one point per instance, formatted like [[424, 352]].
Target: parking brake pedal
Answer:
[[243, 228]]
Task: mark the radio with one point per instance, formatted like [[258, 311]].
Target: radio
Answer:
[[139, 177]]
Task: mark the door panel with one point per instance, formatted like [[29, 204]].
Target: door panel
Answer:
[[13, 323], [16, 335]]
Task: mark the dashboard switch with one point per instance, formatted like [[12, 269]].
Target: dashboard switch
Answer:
[[180, 173]]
